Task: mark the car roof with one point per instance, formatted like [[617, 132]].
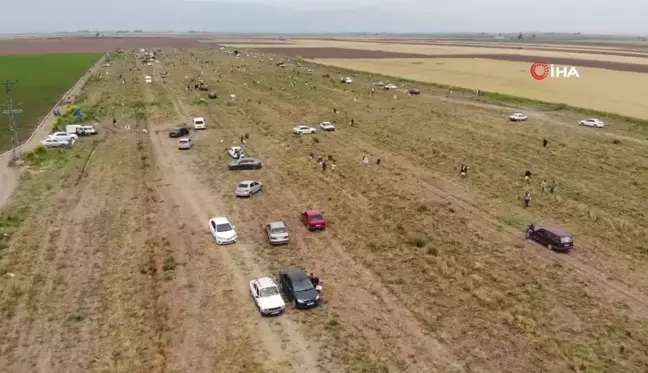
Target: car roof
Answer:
[[295, 273], [265, 282], [219, 220], [557, 231], [277, 224], [312, 212], [198, 118], [185, 139], [246, 182]]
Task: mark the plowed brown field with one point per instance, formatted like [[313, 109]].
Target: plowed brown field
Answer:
[[113, 268]]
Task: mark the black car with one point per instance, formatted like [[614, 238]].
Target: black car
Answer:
[[298, 288], [245, 164], [552, 237], [414, 91], [179, 132]]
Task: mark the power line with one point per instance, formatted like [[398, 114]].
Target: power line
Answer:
[[11, 111]]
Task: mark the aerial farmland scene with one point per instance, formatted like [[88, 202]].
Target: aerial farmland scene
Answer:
[[260, 197]]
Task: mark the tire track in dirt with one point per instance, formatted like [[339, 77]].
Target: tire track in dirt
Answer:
[[341, 265], [204, 342], [51, 252], [185, 189]]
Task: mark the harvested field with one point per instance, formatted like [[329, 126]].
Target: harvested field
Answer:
[[627, 52], [432, 50], [342, 53], [624, 91], [89, 45], [568, 43], [422, 272]]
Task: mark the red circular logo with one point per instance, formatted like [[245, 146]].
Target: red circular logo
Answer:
[[542, 74]]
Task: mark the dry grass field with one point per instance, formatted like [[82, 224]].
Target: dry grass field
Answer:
[[114, 269], [598, 89], [456, 49], [611, 80]]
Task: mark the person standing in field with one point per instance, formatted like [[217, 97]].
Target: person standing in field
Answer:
[[544, 143], [552, 187], [543, 186], [527, 199]]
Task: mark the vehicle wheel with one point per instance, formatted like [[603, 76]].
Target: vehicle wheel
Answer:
[[294, 302]]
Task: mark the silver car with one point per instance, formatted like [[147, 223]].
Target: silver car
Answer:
[[277, 233], [245, 164], [248, 188], [185, 143]]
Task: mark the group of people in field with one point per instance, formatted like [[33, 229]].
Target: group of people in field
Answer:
[[526, 198]]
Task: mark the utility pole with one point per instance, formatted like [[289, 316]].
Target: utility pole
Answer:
[[11, 111]]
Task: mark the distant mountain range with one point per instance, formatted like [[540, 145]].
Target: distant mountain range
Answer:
[[40, 16], [165, 15]]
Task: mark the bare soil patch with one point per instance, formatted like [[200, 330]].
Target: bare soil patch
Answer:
[[626, 52], [589, 43], [323, 53]]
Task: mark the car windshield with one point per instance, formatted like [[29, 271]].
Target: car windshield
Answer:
[[315, 217], [303, 285], [565, 239], [184, 141], [243, 185], [278, 230], [268, 292], [223, 227], [199, 122]]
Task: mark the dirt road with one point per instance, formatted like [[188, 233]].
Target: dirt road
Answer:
[[9, 176]]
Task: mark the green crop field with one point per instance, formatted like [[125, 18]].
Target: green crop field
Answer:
[[42, 79]]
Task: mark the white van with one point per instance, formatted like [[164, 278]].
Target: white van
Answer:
[[148, 79], [199, 123], [90, 130], [72, 128]]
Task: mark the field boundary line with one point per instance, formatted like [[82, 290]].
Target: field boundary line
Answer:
[[79, 83]]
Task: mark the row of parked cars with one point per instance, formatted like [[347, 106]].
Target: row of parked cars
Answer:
[[69, 136], [520, 117], [305, 130], [301, 290]]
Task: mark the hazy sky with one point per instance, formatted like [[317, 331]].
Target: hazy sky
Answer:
[[586, 16]]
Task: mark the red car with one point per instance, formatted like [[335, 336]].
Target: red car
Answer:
[[313, 219]]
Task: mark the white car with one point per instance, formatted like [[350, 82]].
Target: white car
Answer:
[[185, 144], [346, 80], [148, 79], [199, 123], [518, 117], [222, 230], [327, 126], [301, 130], [267, 297], [390, 86], [53, 143], [592, 123], [63, 136], [236, 152]]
